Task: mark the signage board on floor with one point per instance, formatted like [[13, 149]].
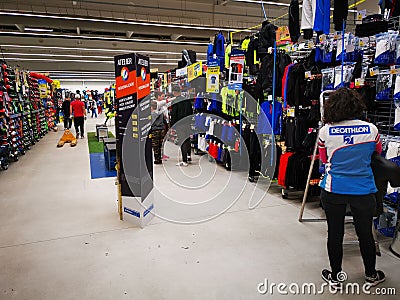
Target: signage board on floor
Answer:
[[133, 123]]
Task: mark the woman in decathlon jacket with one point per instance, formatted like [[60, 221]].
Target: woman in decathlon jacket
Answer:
[[346, 145]]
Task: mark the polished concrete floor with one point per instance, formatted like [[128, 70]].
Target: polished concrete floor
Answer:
[[61, 237]]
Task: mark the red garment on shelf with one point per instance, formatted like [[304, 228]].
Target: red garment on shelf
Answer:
[[282, 168]]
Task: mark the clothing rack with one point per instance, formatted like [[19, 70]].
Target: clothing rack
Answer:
[[313, 159]]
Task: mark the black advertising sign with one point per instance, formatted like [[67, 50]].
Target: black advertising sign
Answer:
[[133, 122]]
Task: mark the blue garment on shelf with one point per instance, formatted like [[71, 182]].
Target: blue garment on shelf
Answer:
[[322, 16], [215, 105], [210, 52], [198, 102], [231, 133], [270, 118], [219, 153], [199, 122], [224, 133]]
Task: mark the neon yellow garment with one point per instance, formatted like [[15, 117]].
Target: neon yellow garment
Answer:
[[229, 102], [245, 44], [227, 54]]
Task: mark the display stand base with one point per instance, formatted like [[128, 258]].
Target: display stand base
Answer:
[[136, 212]]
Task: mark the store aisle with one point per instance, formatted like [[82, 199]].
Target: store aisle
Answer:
[[60, 238]]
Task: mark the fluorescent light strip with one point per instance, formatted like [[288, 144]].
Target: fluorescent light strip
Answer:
[[75, 60], [97, 50], [119, 21], [81, 56], [280, 4], [265, 2], [38, 29], [103, 38]]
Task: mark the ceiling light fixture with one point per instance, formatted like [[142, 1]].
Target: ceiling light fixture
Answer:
[[103, 38], [95, 50], [265, 2], [76, 60], [80, 56], [119, 21], [38, 29]]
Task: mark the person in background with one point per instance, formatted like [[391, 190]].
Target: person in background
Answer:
[[66, 109], [100, 106], [79, 112], [162, 105], [182, 108], [93, 107], [157, 129], [346, 145]]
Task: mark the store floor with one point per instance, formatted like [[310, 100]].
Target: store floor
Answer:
[[61, 238]]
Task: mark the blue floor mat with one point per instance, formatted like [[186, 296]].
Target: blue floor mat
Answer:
[[98, 167]]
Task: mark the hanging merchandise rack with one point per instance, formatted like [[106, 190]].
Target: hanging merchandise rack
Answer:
[[23, 119]]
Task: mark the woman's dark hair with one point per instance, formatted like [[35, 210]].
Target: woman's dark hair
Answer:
[[343, 104]]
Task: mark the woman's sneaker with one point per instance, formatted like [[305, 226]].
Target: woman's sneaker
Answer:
[[333, 282], [377, 279]]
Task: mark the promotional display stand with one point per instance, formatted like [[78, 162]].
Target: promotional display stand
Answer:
[[133, 123]]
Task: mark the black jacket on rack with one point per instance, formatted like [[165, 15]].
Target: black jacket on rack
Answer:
[[252, 54], [294, 21], [267, 70], [267, 37], [340, 12], [384, 171]]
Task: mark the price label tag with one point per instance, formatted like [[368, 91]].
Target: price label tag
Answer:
[[373, 71], [291, 112], [359, 82], [393, 70], [307, 74], [337, 35]]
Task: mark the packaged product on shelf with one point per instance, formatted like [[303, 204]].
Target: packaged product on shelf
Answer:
[[398, 50], [347, 74], [327, 51], [383, 49], [364, 71], [397, 115], [383, 85], [396, 94], [328, 76], [393, 53], [341, 49]]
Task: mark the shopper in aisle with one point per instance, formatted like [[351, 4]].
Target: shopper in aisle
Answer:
[[79, 112], [346, 145], [99, 106], [182, 108], [66, 109], [157, 129], [162, 105], [93, 108]]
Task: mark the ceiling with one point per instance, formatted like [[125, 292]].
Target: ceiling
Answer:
[[78, 39]]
